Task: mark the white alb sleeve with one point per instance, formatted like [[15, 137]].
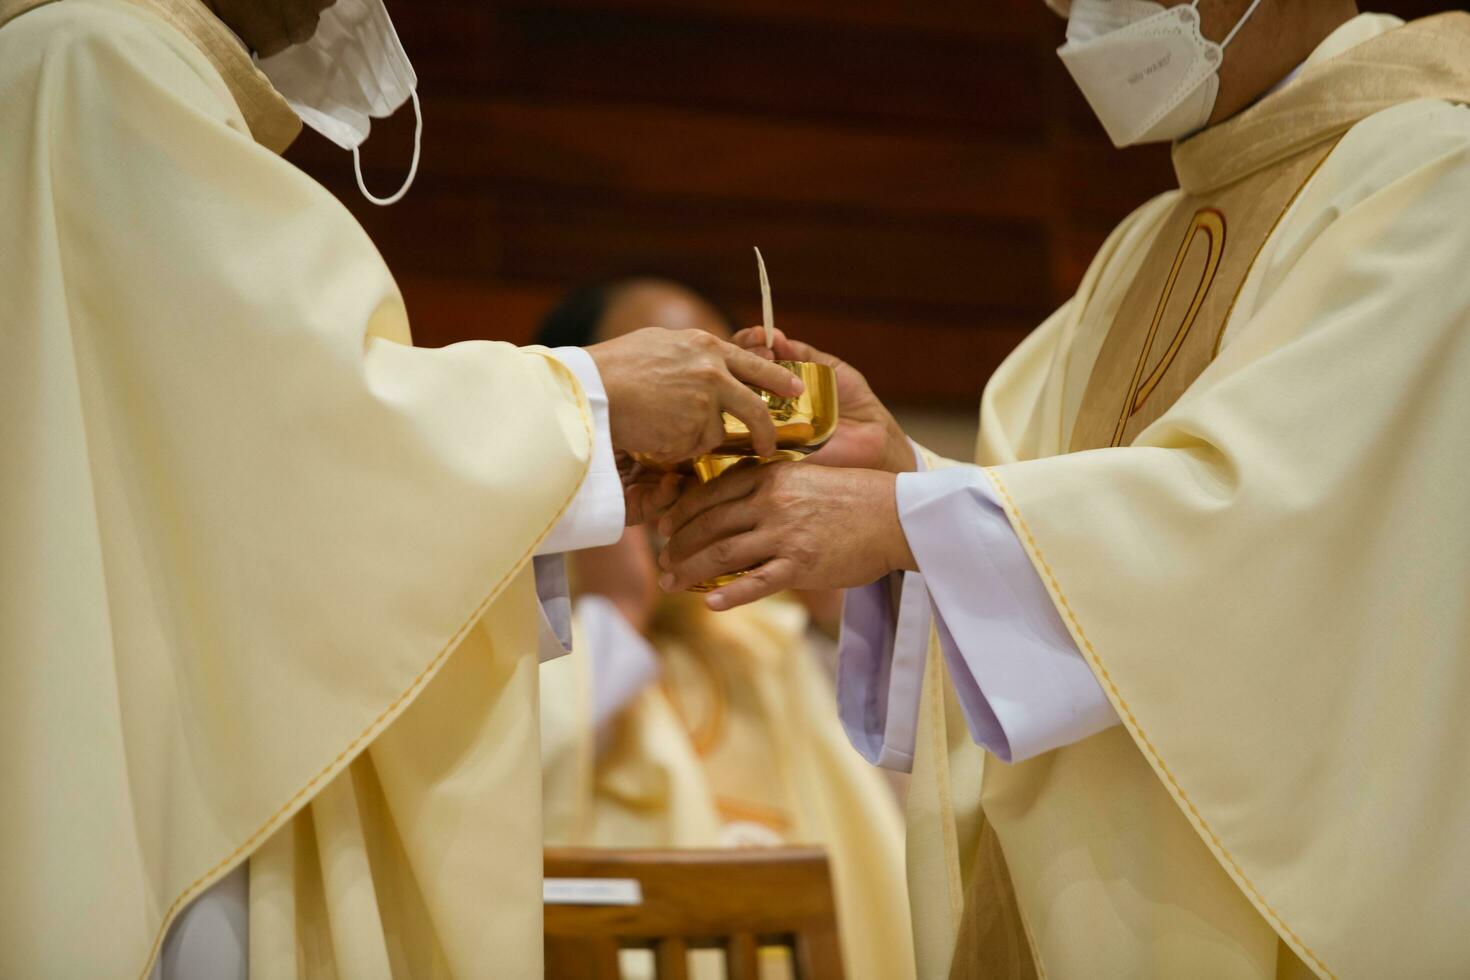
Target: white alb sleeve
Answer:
[[595, 516]]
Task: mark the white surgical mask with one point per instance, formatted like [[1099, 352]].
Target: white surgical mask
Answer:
[[1147, 71], [1088, 21], [352, 70]]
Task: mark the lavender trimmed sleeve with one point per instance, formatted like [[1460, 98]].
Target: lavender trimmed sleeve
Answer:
[[1021, 682]]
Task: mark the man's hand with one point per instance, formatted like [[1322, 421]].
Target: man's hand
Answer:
[[667, 388], [795, 526], [647, 494], [867, 435]]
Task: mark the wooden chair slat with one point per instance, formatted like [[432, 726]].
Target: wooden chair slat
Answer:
[[815, 954], [595, 958], [735, 900], [671, 959], [742, 957]]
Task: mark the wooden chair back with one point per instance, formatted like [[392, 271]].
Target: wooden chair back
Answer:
[[735, 900]]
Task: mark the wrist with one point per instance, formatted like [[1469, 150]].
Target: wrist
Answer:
[[897, 555], [605, 360], [899, 455]]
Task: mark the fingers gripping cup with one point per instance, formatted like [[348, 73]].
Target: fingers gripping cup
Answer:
[[802, 423]]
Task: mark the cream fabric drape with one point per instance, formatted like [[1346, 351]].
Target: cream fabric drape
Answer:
[[1270, 580], [264, 564]]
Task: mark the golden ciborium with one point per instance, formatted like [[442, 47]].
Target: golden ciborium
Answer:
[[802, 424]]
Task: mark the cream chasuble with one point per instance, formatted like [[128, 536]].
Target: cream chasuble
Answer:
[[265, 563], [1236, 458], [740, 732]]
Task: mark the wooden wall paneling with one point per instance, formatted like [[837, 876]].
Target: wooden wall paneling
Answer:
[[564, 142], [646, 151], [1019, 19], [924, 178], [836, 72], [445, 232], [849, 261], [447, 309]]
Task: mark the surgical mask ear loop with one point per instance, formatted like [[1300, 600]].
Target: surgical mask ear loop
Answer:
[[413, 169], [1238, 24]]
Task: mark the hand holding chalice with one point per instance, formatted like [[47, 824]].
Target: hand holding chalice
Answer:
[[830, 523], [801, 423]]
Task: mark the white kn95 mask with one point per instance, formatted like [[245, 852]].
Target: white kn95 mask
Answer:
[[352, 70], [1146, 70]]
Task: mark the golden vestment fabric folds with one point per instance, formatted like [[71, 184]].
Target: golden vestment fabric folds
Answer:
[[265, 563], [1264, 558], [741, 731]]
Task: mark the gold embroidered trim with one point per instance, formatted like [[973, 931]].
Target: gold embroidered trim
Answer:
[[1209, 222]]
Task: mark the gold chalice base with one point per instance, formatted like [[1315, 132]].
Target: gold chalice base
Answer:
[[710, 466], [802, 424]]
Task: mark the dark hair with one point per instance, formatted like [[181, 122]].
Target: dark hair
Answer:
[[575, 320]]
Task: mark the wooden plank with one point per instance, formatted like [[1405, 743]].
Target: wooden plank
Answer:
[[994, 19], [742, 957], [924, 178], [680, 58], [1074, 246], [671, 959], [501, 145], [817, 956], [447, 232], [847, 260], [1100, 185], [446, 310], [583, 958], [698, 893]]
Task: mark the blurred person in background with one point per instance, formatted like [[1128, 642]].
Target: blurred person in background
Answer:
[[671, 726], [1193, 703]]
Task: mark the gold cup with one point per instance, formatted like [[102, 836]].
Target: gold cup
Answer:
[[803, 424]]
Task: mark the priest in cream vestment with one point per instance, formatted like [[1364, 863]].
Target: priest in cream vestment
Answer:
[[1181, 664], [275, 581]]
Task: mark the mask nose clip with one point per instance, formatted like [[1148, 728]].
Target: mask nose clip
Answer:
[[413, 168]]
